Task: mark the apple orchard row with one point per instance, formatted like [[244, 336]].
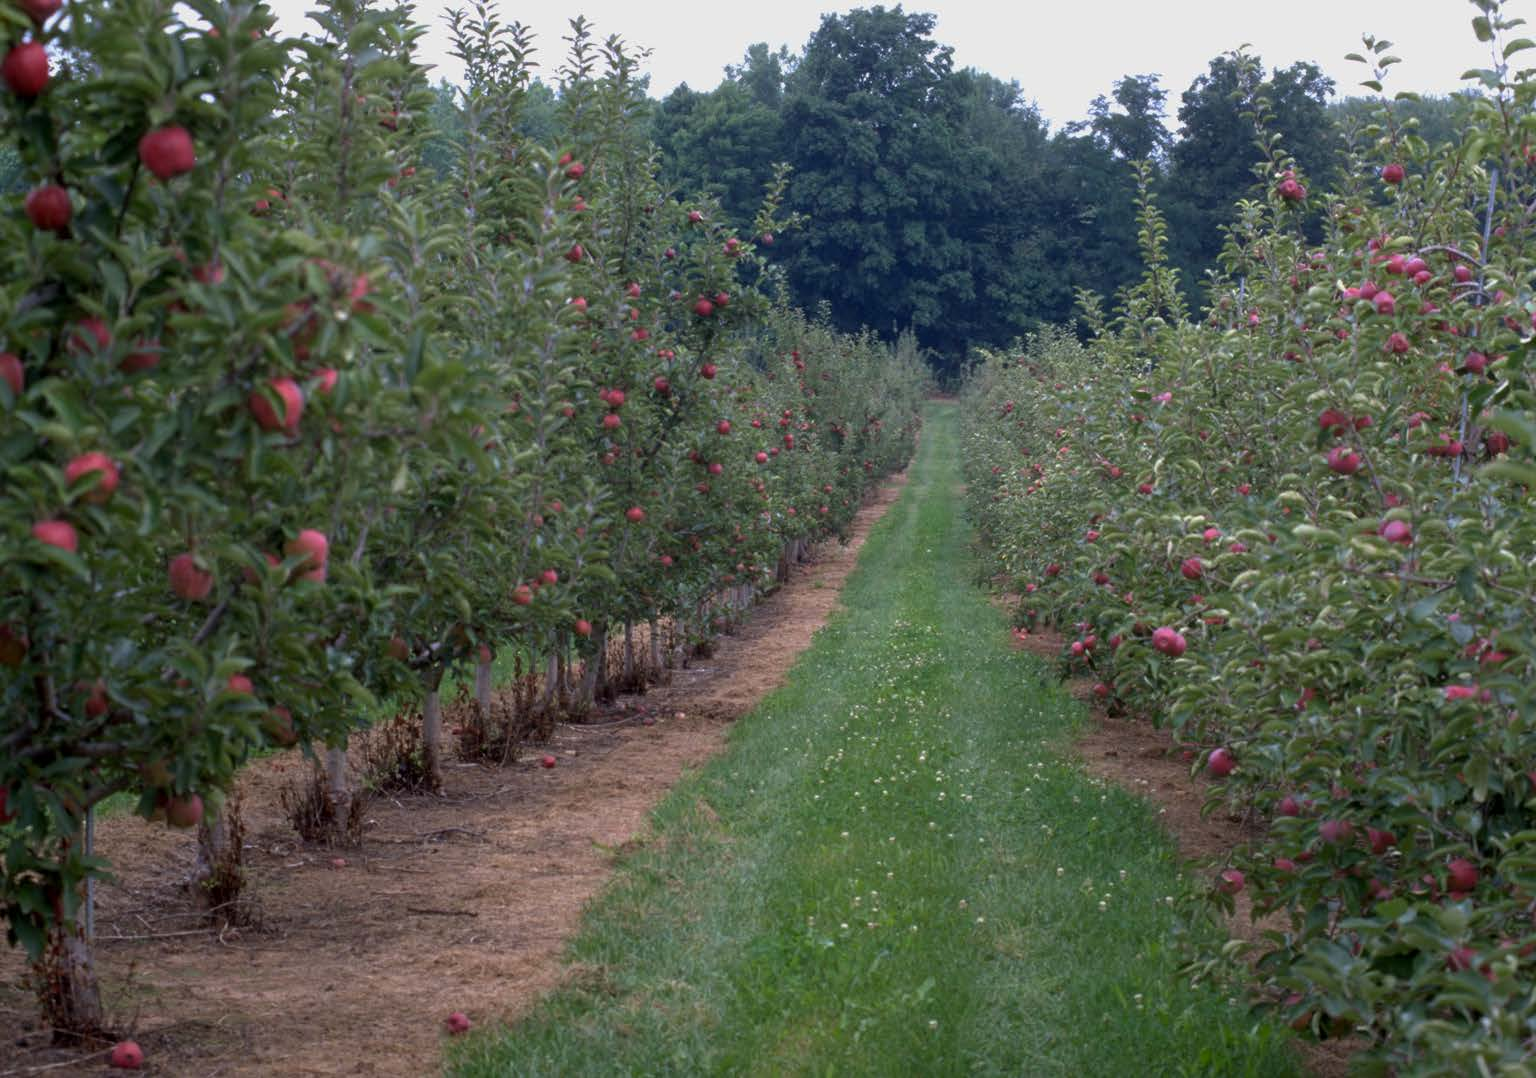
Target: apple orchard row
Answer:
[[1298, 531], [310, 393]]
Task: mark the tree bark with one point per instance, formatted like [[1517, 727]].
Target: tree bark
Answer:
[[552, 676], [339, 785], [629, 656], [71, 996], [657, 666], [212, 842], [432, 731], [591, 674], [483, 692]]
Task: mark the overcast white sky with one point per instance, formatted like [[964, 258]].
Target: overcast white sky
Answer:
[[1063, 53]]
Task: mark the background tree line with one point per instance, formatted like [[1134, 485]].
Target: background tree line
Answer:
[[943, 202]]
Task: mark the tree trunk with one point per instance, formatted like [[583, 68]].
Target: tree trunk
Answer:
[[483, 690], [552, 677], [629, 656], [339, 785], [71, 998], [657, 667], [432, 731], [591, 674], [212, 843]]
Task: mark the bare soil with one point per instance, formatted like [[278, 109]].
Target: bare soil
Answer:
[[461, 902], [1151, 763]]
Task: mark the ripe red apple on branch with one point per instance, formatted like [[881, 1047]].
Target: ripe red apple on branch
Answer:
[[48, 208], [168, 151], [25, 69]]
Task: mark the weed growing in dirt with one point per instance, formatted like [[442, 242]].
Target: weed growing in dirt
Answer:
[[316, 817]]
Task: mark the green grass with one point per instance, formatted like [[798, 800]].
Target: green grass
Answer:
[[895, 869]]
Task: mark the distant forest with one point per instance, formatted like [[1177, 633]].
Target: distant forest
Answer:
[[941, 201]]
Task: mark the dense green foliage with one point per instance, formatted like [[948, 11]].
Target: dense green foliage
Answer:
[[941, 202], [895, 868], [1299, 531], [316, 384]]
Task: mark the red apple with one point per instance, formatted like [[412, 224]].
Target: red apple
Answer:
[[167, 151], [550, 577], [723, 427], [1381, 841], [241, 684], [12, 372], [97, 701], [583, 627], [634, 514], [1461, 874], [184, 811], [1392, 173], [41, 10], [188, 580], [1288, 806], [89, 335], [547, 761], [315, 549], [126, 1055], [25, 69], [1219, 764], [703, 308], [13, 645], [99, 465], [1232, 881], [457, 1022], [1192, 569], [522, 595], [1169, 641], [268, 417], [1343, 460], [1396, 531], [1335, 832], [58, 533], [145, 356], [48, 208], [278, 724]]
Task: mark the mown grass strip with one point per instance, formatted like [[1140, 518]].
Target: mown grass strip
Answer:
[[894, 869]]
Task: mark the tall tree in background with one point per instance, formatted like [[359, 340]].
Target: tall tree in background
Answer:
[[1135, 130], [1211, 164], [871, 133]]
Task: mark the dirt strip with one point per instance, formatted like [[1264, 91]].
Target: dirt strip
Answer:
[[454, 903]]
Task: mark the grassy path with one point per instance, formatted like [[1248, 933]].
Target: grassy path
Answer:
[[892, 871]]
